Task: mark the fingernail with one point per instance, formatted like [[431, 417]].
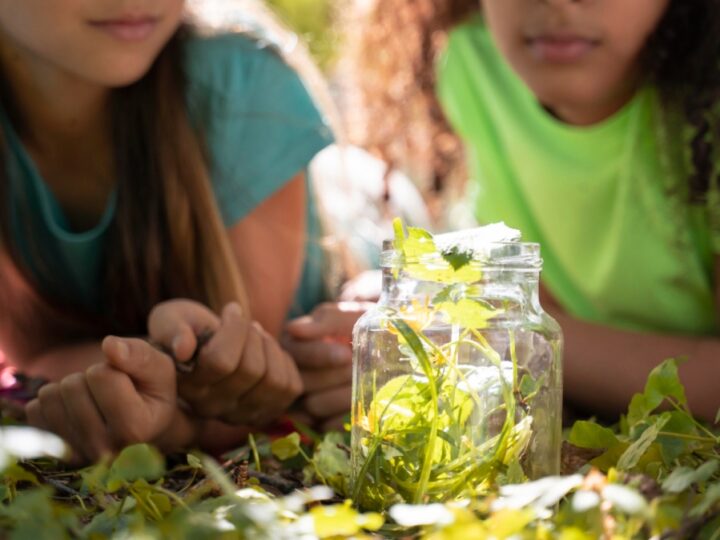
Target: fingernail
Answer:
[[176, 343], [233, 308], [122, 350], [341, 355]]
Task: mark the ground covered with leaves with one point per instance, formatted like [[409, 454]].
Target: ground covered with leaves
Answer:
[[656, 474]]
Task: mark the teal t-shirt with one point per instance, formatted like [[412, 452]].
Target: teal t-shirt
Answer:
[[607, 202], [260, 128]]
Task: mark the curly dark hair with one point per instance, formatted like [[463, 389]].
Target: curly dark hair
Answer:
[[683, 61], [395, 52]]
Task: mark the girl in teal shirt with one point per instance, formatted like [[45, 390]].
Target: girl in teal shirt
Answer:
[[152, 184], [592, 126]]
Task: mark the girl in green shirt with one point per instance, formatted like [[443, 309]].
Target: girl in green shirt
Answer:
[[592, 126]]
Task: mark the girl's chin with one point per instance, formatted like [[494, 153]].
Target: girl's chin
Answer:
[[118, 75]]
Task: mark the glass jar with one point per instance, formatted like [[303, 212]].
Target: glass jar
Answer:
[[457, 377]]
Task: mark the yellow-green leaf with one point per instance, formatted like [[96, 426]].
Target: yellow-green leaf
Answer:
[[287, 447], [468, 313]]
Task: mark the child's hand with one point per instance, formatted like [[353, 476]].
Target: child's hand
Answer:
[[321, 345], [365, 287], [243, 376], [129, 398]]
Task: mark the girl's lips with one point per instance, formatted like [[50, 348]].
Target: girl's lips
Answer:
[[560, 49], [128, 29]]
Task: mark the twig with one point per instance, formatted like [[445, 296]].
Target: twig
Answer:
[[286, 486]]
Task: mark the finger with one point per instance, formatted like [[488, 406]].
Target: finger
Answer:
[[55, 415], [317, 354], [274, 393], [329, 402], [175, 323], [222, 397], [220, 357], [50, 414], [267, 399], [129, 417], [334, 320], [364, 287], [34, 415], [325, 379], [151, 370], [82, 411]]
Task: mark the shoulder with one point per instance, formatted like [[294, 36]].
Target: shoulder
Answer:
[[466, 42], [462, 68], [258, 121], [226, 66], [236, 76]]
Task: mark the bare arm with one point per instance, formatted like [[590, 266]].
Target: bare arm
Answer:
[[55, 364], [269, 245], [604, 366]]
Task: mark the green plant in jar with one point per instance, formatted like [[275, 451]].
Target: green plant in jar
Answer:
[[457, 375]]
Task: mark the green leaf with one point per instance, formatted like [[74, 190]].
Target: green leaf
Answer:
[[609, 458], [423, 261], [468, 313], [36, 517], [518, 441], [663, 382], [415, 244], [15, 473], [343, 520], [575, 533], [586, 434], [194, 461], [399, 232], [717, 417], [683, 477], [133, 463], [671, 448], [638, 410], [515, 473], [637, 450], [332, 461], [287, 447], [451, 293], [457, 258], [413, 341], [529, 385], [708, 501], [508, 523]]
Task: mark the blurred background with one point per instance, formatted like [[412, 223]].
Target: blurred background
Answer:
[[359, 194], [314, 21]]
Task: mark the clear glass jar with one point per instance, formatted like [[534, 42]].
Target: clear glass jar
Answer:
[[456, 342]]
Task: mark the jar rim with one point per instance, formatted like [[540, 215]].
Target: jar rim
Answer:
[[505, 256]]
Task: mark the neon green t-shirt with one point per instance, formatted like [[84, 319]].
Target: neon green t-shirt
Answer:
[[620, 247]]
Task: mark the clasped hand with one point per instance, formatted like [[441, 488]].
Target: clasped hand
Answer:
[[242, 376]]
